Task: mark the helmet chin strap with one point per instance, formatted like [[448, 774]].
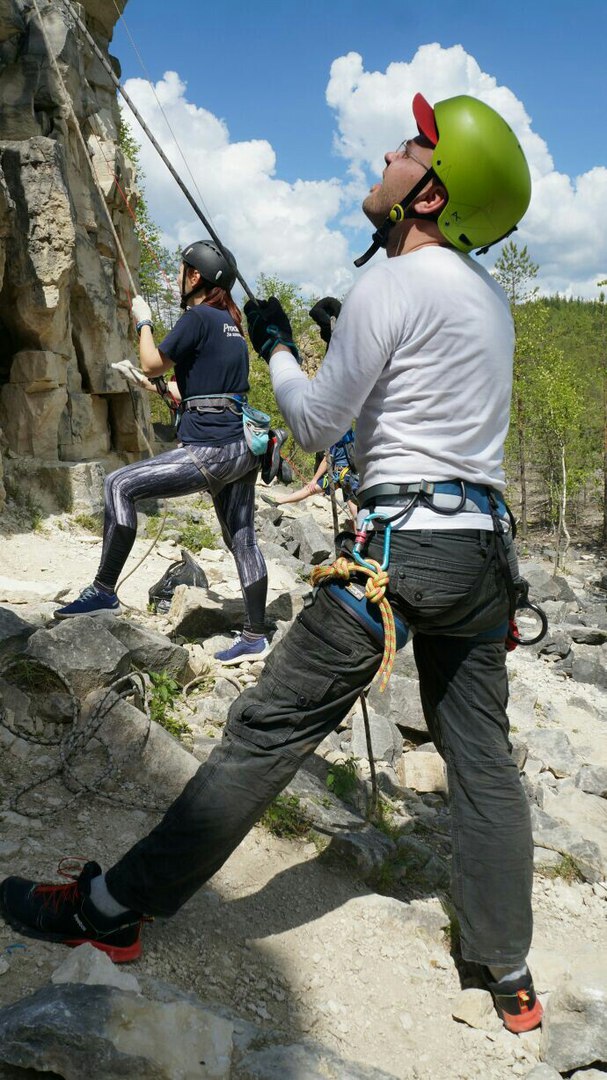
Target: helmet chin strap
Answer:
[[185, 296], [398, 213]]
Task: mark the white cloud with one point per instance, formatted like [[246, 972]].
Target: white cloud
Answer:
[[301, 231], [566, 225], [272, 226]]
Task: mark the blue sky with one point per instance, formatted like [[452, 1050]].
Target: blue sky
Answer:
[[264, 72]]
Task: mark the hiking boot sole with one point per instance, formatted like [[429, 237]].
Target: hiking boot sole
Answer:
[[89, 614], [250, 658]]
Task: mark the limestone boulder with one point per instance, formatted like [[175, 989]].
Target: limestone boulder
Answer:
[[81, 650], [31, 421], [75, 1030], [574, 1032], [84, 431]]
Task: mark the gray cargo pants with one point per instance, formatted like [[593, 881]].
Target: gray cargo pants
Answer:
[[449, 588]]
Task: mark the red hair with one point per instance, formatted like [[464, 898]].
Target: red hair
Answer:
[[222, 298]]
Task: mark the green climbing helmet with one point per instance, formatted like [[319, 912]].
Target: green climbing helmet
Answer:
[[478, 159]]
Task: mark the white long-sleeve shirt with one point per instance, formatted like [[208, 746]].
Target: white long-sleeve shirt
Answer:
[[421, 356]]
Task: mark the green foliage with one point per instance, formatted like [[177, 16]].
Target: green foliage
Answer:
[[286, 818], [197, 535], [567, 870], [165, 691], [91, 522], [342, 777], [515, 270], [382, 816], [158, 267]]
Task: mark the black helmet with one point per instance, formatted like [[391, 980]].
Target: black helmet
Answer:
[[216, 266]]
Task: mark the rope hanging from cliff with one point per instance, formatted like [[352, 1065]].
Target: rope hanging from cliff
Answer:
[[375, 591], [108, 68], [67, 103]]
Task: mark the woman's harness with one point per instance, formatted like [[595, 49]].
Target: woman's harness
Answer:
[[443, 497]]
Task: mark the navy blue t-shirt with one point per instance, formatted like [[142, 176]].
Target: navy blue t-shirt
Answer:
[[210, 357]]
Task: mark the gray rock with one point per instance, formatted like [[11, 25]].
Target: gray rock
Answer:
[[82, 650], [386, 739], [574, 1032], [555, 645], [312, 545], [421, 862], [368, 849], [327, 813], [587, 635], [593, 780], [584, 813], [554, 749], [400, 702], [106, 1033], [590, 664], [306, 1061], [543, 1072], [544, 585], [276, 551], [14, 632], [553, 835], [142, 754], [196, 613], [148, 650], [475, 1007], [425, 772], [93, 967]]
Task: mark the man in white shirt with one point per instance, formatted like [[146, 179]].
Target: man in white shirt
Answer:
[[422, 356]]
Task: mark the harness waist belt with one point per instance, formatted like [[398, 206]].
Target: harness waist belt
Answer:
[[210, 403], [443, 495]]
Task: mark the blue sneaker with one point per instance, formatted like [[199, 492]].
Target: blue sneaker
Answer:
[[243, 650], [92, 601]]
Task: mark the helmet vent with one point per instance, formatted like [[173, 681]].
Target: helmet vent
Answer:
[[464, 240]]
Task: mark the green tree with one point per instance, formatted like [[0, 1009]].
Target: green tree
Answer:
[[558, 406], [306, 336], [157, 267], [515, 271]]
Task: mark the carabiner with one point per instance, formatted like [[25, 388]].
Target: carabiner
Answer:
[[361, 538]]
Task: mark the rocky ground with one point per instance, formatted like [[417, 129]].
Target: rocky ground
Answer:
[[327, 955]]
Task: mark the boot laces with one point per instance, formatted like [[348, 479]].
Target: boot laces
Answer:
[[55, 896]]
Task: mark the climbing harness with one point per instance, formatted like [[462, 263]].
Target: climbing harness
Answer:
[[463, 497]]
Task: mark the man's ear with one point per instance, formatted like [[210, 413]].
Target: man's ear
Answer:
[[432, 200]]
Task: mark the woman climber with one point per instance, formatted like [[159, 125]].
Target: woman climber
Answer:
[[209, 355]]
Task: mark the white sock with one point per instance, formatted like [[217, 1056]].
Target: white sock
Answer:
[[506, 973], [103, 899]]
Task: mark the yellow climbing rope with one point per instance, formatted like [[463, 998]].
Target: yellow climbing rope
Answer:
[[375, 591]]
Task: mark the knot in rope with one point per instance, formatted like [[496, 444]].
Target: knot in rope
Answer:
[[375, 591], [376, 586]]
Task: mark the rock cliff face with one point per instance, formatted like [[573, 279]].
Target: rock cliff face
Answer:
[[63, 292]]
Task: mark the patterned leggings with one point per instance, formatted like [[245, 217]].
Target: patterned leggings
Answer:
[[228, 473]]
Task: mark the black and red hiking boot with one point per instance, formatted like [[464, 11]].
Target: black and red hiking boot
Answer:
[[66, 913], [270, 463], [516, 1002]]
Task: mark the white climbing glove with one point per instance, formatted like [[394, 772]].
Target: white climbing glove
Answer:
[[130, 373], [140, 310]]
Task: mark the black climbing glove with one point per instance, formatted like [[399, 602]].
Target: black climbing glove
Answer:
[[269, 326], [324, 313]]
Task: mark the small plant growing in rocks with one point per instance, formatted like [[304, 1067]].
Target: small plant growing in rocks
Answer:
[[286, 818], [165, 691], [342, 777], [197, 535]]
